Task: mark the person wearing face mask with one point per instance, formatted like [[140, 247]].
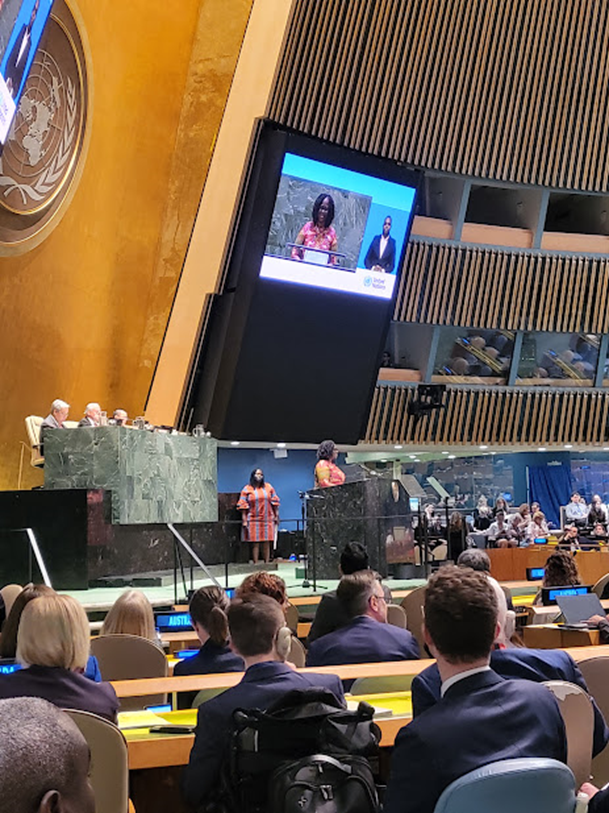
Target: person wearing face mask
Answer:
[[259, 506]]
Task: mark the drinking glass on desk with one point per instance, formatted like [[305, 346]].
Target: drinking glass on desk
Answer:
[[103, 419], [198, 431], [139, 423]]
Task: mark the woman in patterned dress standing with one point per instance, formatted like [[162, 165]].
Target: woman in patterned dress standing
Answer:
[[259, 505]]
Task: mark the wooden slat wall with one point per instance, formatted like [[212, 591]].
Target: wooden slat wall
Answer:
[[515, 91], [478, 415], [495, 288]]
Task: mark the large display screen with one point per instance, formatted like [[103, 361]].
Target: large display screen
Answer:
[[21, 25], [337, 229]]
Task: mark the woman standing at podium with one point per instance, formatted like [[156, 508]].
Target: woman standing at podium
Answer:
[[259, 505], [327, 472]]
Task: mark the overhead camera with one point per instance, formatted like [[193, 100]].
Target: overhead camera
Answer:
[[428, 398]]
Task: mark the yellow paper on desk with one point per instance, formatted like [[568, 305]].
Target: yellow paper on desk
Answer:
[[379, 711], [139, 719]]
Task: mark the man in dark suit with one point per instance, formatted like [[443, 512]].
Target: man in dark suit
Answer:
[[367, 638], [524, 664], [330, 613], [481, 717], [18, 58], [259, 635], [381, 253], [92, 415]]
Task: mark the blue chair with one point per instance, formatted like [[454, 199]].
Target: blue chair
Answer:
[[522, 785]]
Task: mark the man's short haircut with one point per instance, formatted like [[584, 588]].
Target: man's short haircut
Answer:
[[254, 623], [39, 753], [354, 557], [476, 559], [59, 404], [355, 589], [92, 405], [461, 614], [54, 631]]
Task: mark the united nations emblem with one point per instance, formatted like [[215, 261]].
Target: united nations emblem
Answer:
[[39, 159]]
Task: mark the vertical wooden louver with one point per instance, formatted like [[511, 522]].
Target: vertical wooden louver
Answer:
[[499, 415], [509, 290], [515, 91]]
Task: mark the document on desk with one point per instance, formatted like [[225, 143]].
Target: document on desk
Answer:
[[139, 719]]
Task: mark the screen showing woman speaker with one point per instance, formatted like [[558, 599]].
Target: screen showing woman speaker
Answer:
[[337, 229]]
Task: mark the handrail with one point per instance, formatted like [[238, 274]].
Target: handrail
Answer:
[[223, 680]]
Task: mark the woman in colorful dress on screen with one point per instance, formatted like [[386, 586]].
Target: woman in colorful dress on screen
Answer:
[[327, 473], [318, 234], [259, 505]]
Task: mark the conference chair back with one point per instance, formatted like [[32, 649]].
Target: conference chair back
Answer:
[[109, 762], [291, 618], [599, 587], [596, 674], [381, 684], [413, 606], [32, 427], [297, 654], [204, 695], [127, 657], [523, 785], [9, 593], [396, 615], [440, 552], [578, 715]]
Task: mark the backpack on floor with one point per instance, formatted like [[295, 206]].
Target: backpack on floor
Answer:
[[289, 745]]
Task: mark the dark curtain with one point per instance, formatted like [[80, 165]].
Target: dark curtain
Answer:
[[550, 486]]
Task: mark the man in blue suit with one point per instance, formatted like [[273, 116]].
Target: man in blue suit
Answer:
[[367, 638], [481, 717], [381, 252], [259, 635]]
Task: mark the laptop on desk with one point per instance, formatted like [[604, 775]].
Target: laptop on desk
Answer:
[[578, 609]]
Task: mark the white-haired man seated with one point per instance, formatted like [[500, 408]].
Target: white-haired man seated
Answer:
[[44, 760], [54, 420], [92, 415]]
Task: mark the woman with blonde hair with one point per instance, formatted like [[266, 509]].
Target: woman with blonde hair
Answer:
[[131, 614], [53, 647]]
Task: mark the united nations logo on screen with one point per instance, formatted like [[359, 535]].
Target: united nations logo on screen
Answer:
[[39, 161]]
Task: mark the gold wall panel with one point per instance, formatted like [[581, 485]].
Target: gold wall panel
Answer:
[[506, 289], [84, 313], [517, 91], [501, 415]]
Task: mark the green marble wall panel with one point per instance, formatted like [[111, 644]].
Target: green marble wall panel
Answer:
[[154, 477]]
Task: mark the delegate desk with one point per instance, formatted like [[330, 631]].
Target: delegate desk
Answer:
[[510, 564]]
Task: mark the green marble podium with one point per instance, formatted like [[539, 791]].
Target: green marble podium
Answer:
[[154, 477]]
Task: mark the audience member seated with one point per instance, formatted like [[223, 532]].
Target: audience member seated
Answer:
[[502, 534], [131, 614], [537, 528], [53, 646], [265, 584], [500, 505], [8, 639], [259, 635], [330, 613], [520, 521], [511, 663], [481, 717], [599, 532], [92, 415], [560, 570], [44, 760], [597, 511], [571, 538], [208, 607], [367, 638], [479, 560], [577, 510], [483, 514]]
